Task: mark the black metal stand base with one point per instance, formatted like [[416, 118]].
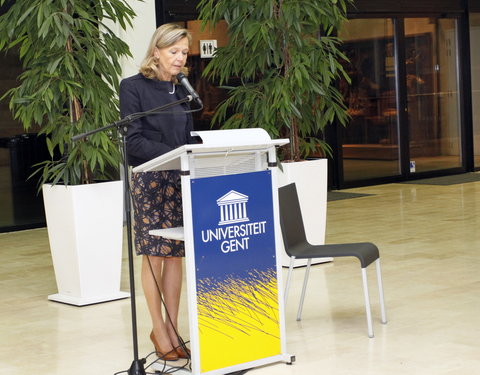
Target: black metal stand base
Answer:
[[137, 367]]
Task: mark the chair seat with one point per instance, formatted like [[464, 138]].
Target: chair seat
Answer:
[[366, 252]]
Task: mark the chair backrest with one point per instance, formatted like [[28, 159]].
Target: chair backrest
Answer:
[[291, 221]]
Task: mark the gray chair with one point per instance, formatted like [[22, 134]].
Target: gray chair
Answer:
[[297, 247]]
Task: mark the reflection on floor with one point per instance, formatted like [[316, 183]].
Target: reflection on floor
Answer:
[[363, 169], [447, 180], [336, 195], [430, 248]]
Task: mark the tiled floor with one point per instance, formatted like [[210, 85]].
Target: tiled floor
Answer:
[[429, 239]]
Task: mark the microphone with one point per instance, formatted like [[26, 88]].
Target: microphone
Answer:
[[184, 81]]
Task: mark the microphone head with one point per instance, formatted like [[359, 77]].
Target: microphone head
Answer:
[[184, 82]]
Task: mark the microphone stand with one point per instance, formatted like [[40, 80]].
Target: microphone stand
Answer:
[[137, 366]]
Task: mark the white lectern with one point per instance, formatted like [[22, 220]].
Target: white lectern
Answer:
[[233, 263]]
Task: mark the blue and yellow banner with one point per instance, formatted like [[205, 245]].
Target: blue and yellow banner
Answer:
[[236, 274]]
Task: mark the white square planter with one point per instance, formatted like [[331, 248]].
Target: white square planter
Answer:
[[85, 231], [311, 179]]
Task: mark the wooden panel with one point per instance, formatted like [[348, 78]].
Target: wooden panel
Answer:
[[406, 6], [474, 5], [219, 33], [176, 10], [187, 9]]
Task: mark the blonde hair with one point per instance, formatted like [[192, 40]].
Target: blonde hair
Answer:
[[164, 36]]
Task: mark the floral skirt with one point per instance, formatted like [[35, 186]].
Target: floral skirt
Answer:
[[157, 204]]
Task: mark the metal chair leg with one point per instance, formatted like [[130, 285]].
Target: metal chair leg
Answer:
[[367, 303], [289, 277], [380, 291], [304, 289]]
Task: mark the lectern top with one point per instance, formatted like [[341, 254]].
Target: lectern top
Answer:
[[226, 140], [234, 137]]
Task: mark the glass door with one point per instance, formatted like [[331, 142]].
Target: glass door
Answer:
[[433, 114], [370, 141], [475, 63], [404, 109]]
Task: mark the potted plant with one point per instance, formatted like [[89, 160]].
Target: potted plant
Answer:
[[70, 77], [285, 60]]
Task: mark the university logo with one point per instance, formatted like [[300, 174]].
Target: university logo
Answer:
[[234, 230], [233, 208]]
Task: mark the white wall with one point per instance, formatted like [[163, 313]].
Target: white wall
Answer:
[[138, 36]]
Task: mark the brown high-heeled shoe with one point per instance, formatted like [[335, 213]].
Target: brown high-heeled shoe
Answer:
[[183, 353], [170, 356]]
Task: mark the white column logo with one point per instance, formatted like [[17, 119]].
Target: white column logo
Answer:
[[233, 208]]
